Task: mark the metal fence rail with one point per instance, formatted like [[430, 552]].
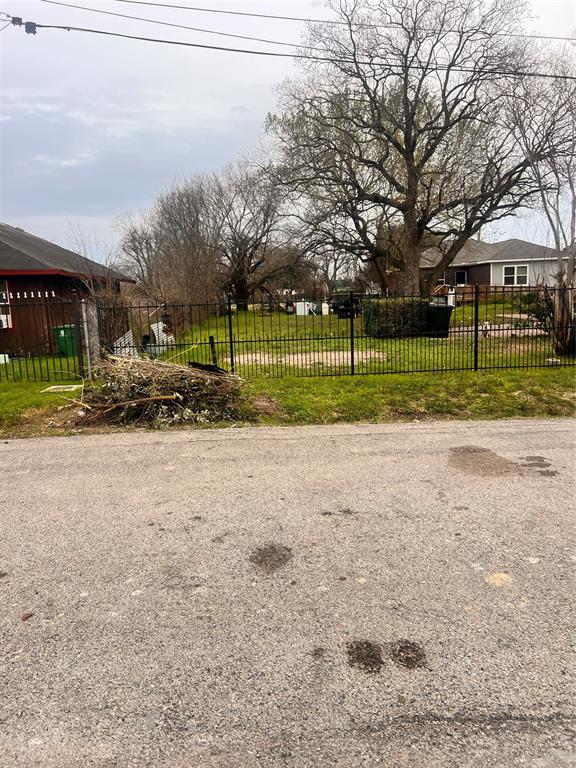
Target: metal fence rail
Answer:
[[42, 341], [488, 328], [348, 334]]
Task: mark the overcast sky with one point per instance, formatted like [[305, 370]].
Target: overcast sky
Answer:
[[94, 127]]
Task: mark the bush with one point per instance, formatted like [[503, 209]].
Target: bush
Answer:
[[396, 317], [539, 307]]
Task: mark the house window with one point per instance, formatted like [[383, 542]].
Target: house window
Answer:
[[5, 309], [460, 277], [516, 275]]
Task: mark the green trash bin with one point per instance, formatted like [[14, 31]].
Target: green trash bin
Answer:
[[65, 338]]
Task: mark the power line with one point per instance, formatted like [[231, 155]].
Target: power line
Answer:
[[31, 27], [5, 26], [313, 20], [182, 26]]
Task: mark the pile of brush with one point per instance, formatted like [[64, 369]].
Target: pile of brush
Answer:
[[145, 391]]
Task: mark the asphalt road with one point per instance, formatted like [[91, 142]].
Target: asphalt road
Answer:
[[333, 596]]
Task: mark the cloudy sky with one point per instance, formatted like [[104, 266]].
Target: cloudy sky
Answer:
[[93, 127]]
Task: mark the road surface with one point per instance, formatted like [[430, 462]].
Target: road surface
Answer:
[[328, 596]]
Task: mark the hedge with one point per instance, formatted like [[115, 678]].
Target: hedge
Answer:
[[396, 317]]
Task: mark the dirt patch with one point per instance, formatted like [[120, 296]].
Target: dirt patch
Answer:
[[549, 472], [328, 358], [266, 406], [365, 655], [319, 654], [271, 557], [474, 460], [406, 653]]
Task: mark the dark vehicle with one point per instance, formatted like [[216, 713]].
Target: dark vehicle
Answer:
[[346, 306]]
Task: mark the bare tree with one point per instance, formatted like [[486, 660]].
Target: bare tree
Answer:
[[140, 255], [208, 236], [102, 281], [550, 107], [404, 130], [249, 237]]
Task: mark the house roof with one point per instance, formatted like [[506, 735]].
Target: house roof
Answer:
[[478, 252], [21, 252]]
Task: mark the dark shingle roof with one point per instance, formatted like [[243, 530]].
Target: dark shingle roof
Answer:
[[21, 251], [478, 252]]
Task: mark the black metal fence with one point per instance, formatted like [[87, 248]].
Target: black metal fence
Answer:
[[471, 328], [41, 340], [350, 334]]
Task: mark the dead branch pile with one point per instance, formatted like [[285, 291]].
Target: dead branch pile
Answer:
[[137, 390]]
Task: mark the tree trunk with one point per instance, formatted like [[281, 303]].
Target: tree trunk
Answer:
[[410, 280], [413, 252], [563, 331], [241, 295]]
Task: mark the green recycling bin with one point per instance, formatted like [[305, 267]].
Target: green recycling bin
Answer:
[[65, 338]]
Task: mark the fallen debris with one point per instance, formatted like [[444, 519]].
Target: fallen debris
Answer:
[[140, 390]]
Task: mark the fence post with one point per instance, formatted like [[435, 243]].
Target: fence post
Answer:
[[86, 337], [78, 332], [352, 333], [476, 323], [230, 334]]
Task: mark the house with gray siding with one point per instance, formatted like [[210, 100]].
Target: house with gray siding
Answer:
[[507, 263]]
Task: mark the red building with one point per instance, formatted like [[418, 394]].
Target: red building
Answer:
[[38, 281]]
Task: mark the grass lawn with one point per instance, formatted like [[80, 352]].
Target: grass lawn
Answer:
[[276, 344], [21, 399], [465, 395], [25, 411]]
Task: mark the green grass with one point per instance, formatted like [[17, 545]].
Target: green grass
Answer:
[[277, 344], [325, 400], [466, 395], [43, 368], [19, 398]]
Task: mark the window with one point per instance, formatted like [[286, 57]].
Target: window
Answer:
[[5, 309], [460, 277], [516, 275]]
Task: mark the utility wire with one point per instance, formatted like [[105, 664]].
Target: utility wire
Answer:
[[312, 20], [277, 54], [182, 26], [5, 26]]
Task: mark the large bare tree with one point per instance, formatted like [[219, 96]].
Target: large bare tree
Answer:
[[403, 129]]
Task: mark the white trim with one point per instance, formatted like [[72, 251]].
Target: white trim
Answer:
[[7, 320], [501, 261], [515, 267]]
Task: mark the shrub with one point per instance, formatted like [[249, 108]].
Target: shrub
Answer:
[[396, 317], [539, 307]]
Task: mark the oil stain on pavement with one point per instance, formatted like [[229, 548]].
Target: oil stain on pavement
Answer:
[[365, 655], [271, 557], [406, 653], [369, 657], [474, 460]]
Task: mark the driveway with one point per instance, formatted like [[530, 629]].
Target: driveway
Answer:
[[330, 596]]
